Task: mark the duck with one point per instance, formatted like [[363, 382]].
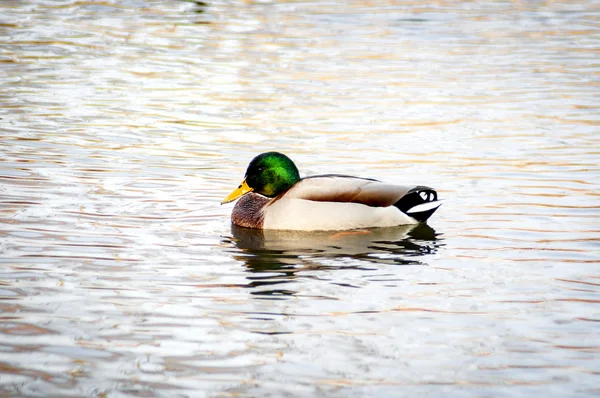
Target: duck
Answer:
[[273, 196]]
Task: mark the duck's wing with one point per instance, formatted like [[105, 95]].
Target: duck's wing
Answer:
[[341, 188], [417, 201]]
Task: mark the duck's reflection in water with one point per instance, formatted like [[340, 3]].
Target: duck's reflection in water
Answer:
[[274, 258]]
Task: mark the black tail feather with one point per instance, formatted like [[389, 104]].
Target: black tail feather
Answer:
[[418, 196]]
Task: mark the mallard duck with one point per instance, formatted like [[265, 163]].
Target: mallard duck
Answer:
[[273, 196]]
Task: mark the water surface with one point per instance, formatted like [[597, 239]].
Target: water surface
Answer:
[[124, 123]]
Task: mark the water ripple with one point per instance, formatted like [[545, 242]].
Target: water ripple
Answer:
[[124, 123]]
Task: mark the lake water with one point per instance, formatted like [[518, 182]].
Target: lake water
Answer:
[[124, 123]]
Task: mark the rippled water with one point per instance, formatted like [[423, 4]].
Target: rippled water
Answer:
[[124, 123]]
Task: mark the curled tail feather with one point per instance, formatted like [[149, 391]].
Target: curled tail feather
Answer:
[[419, 203]]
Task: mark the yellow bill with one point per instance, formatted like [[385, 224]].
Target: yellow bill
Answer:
[[240, 191]]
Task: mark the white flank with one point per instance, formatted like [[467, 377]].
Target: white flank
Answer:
[[308, 215]]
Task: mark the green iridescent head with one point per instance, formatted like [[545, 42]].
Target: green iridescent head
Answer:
[[268, 174], [271, 173]]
